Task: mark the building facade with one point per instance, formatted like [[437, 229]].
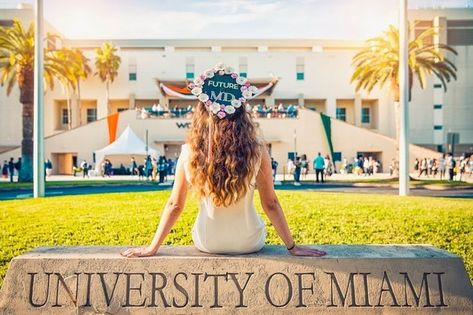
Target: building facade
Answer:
[[312, 74]]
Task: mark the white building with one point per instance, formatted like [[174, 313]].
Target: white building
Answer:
[[314, 74]]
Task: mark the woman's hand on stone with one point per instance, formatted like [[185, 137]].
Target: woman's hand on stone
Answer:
[[306, 251], [144, 251]]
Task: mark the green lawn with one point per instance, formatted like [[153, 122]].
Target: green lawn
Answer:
[[315, 218]]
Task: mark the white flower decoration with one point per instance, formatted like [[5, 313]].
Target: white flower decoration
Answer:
[[228, 70], [247, 94], [198, 81], [253, 89], [219, 66], [229, 109], [221, 72], [241, 80], [248, 108], [196, 91], [209, 74], [203, 97], [236, 103], [215, 107]]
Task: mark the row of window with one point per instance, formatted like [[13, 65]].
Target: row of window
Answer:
[[243, 67], [91, 115], [341, 114]]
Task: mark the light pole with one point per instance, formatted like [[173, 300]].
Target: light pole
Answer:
[[403, 101], [38, 129]]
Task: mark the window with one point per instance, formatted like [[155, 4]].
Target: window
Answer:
[[243, 67], [365, 115], [64, 116], [189, 75], [132, 69], [438, 106], [337, 156], [190, 68], [438, 127], [300, 69], [437, 86], [341, 113], [6, 23], [91, 115]]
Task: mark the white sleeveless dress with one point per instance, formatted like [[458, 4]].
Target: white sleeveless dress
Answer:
[[236, 229]]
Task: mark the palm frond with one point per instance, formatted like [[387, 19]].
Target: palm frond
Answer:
[[378, 61]]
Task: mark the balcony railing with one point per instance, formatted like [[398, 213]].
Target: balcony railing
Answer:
[[148, 113]]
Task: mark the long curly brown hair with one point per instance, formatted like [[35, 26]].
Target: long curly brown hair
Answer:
[[236, 149]]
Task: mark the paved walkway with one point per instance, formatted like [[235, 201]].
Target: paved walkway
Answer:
[[331, 186], [279, 177]]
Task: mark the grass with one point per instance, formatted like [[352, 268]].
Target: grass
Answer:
[[329, 218]]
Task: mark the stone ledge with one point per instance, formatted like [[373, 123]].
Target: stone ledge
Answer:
[[165, 252], [352, 279]]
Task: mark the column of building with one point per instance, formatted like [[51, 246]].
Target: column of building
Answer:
[[440, 24]]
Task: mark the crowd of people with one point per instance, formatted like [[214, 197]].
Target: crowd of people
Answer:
[[11, 168], [153, 168], [323, 167], [362, 165], [300, 166], [158, 110], [446, 167], [258, 111], [158, 168], [277, 111]]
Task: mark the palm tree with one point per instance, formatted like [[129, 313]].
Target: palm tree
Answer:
[[81, 72], [107, 64], [17, 67], [75, 68], [378, 62], [67, 78]]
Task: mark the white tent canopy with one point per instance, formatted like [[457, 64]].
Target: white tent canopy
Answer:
[[127, 143]]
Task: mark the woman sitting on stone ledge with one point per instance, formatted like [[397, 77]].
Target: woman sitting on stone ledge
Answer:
[[223, 162]]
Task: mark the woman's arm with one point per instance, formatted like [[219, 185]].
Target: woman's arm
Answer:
[[272, 208], [171, 213]]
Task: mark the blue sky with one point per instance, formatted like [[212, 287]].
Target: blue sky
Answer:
[[332, 19]]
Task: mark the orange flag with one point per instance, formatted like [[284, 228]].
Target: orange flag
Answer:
[[112, 127]]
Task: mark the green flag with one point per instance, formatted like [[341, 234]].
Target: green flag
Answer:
[[327, 123]]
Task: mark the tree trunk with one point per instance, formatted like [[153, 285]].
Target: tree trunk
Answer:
[[107, 96], [26, 98], [397, 121], [397, 111], [78, 103]]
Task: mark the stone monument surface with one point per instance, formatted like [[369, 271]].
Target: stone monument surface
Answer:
[[351, 279]]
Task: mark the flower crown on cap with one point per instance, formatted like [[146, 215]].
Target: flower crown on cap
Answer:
[[222, 90]]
